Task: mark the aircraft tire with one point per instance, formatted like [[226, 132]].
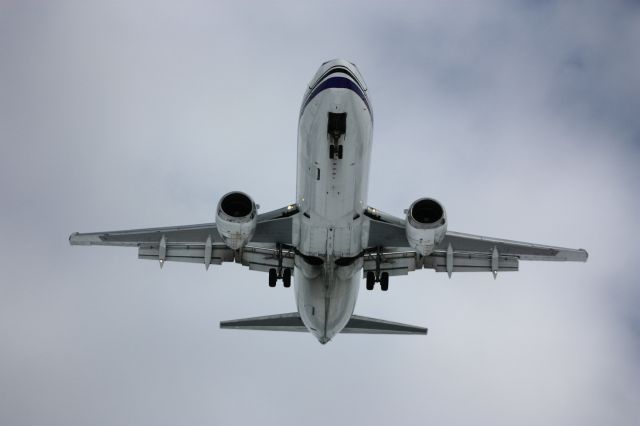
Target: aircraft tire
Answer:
[[286, 278], [371, 279], [384, 281], [273, 277]]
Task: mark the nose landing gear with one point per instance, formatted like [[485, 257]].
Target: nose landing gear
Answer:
[[336, 129]]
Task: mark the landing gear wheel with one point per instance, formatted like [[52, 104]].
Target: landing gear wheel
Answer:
[[286, 278], [273, 277], [332, 152], [371, 280], [340, 152], [384, 281]]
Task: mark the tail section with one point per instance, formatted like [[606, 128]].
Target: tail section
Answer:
[[293, 322]]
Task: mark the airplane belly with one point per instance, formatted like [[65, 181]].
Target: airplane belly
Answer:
[[334, 146], [331, 190], [326, 296]]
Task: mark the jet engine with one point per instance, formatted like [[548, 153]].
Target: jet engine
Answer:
[[236, 218], [426, 225]]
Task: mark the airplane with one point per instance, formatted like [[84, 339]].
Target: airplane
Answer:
[[330, 237]]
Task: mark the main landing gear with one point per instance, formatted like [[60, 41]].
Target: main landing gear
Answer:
[[377, 276], [383, 279], [285, 276], [280, 272]]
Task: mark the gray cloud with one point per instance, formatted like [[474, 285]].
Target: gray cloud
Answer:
[[520, 117]]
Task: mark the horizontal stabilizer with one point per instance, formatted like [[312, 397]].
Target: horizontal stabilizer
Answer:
[[293, 322], [364, 325], [281, 322]]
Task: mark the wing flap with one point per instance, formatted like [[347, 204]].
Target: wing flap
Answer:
[[402, 261], [382, 234], [263, 259], [255, 257], [471, 262], [190, 254]]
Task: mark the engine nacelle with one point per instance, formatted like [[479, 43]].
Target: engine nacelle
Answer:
[[236, 218], [426, 225]]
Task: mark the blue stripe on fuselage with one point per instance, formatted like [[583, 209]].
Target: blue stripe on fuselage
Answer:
[[337, 83]]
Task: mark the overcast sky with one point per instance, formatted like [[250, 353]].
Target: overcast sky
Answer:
[[521, 117]]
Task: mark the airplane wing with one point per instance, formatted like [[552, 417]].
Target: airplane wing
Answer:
[[389, 251], [269, 248]]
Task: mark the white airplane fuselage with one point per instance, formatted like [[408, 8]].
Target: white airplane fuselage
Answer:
[[332, 196]]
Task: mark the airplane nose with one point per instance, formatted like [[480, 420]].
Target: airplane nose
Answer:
[[336, 65], [343, 63], [333, 62]]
